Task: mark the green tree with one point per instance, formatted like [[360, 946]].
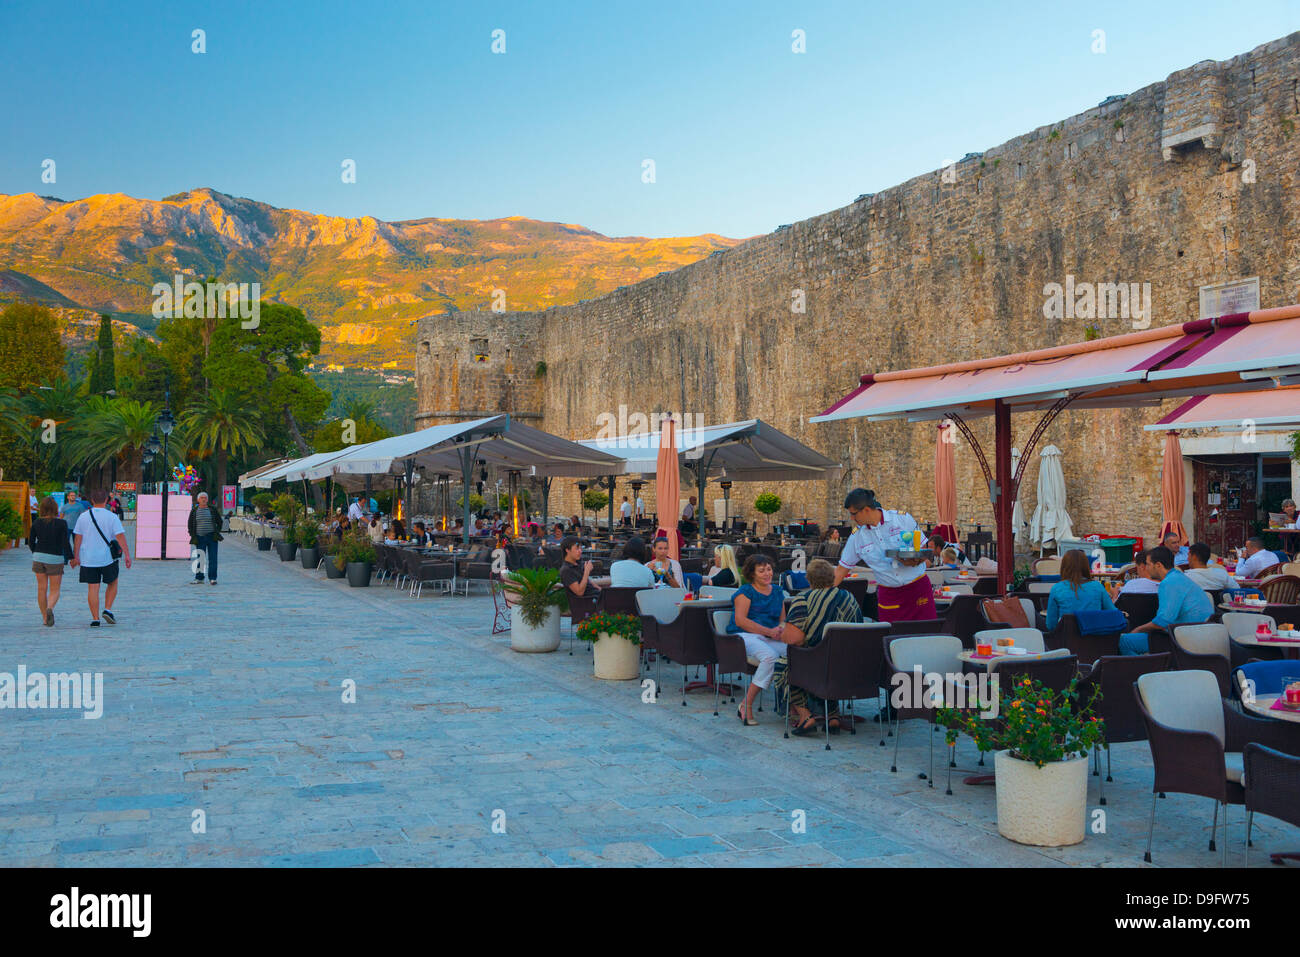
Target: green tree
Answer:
[[141, 371], [31, 351], [221, 423], [110, 431], [329, 437], [103, 375], [594, 501], [270, 362], [38, 420]]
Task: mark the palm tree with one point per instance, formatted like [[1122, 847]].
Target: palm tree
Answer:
[[360, 410], [223, 422], [107, 430], [38, 417]]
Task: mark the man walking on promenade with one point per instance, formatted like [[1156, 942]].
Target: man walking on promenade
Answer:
[[205, 531], [98, 531]]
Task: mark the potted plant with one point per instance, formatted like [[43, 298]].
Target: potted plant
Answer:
[[1042, 739], [11, 525], [535, 596], [262, 502], [334, 568], [308, 551], [769, 504], [288, 511], [616, 644], [357, 556]]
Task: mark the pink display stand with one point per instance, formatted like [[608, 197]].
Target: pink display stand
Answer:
[[148, 526]]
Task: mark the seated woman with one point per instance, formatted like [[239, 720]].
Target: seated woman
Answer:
[[630, 571], [1076, 591], [557, 534], [948, 558], [397, 531], [810, 612], [758, 617], [725, 573]]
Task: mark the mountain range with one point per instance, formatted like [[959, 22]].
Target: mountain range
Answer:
[[363, 280]]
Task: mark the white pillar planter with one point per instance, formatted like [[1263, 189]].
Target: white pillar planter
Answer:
[[524, 637], [1046, 806], [616, 658]]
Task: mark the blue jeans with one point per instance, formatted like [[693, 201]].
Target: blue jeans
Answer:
[[1133, 644], [208, 544]]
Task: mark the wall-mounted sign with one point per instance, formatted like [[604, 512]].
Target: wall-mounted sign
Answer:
[[1227, 298]]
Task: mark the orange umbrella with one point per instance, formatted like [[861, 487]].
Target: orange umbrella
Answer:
[[668, 483], [1173, 493], [945, 482]]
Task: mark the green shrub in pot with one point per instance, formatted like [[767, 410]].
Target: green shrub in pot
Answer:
[[536, 591]]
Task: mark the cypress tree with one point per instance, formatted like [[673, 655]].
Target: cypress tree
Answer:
[[103, 376]]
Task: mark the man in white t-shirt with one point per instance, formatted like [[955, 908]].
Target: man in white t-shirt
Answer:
[[640, 508], [95, 529], [1210, 577], [1143, 584], [626, 511]]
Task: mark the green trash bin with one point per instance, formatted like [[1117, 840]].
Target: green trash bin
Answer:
[[1119, 551]]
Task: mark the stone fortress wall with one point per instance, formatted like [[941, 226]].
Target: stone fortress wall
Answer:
[[1183, 183]]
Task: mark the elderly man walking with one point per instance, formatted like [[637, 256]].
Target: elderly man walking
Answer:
[[205, 531]]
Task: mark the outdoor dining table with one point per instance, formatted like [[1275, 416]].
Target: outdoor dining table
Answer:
[[976, 662], [1239, 606], [1290, 647], [1265, 706]]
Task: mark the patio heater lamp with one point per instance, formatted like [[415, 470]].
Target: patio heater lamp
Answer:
[[637, 485], [725, 485], [166, 423], [582, 505]]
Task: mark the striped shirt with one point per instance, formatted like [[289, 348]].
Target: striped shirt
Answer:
[[203, 524]]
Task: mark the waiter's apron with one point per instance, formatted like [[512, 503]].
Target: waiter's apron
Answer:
[[911, 602]]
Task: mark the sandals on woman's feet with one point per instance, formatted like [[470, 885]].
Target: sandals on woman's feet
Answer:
[[835, 724], [807, 726], [740, 713]]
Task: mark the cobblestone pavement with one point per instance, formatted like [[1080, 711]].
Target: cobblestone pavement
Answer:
[[229, 701]]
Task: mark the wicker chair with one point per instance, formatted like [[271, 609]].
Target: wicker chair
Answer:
[[1281, 589], [1088, 648], [1140, 607], [1197, 740], [1117, 706], [1204, 648], [847, 663], [1272, 788], [935, 654]]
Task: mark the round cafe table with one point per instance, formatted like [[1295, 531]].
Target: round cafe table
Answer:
[[1263, 706], [1290, 647], [1234, 606], [968, 657]]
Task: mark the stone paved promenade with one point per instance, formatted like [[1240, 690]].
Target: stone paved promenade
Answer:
[[228, 700]]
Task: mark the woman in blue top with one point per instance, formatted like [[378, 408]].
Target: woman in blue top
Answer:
[[758, 616], [1076, 591]]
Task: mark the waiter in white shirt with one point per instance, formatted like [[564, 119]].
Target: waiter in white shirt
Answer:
[[354, 511], [903, 592]]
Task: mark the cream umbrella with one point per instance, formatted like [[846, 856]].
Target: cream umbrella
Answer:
[[1051, 522]]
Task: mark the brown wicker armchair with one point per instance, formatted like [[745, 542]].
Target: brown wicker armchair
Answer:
[[1281, 589], [1272, 788], [1197, 740]]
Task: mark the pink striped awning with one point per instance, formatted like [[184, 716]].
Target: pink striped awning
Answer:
[[1269, 408], [1202, 356]]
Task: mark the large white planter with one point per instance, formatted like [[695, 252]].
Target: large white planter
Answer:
[[525, 638], [616, 658], [1046, 806]]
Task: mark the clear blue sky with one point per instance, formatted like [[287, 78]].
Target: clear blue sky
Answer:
[[745, 134]]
